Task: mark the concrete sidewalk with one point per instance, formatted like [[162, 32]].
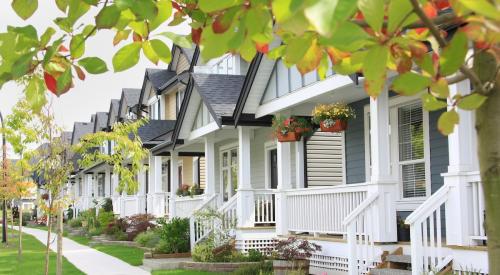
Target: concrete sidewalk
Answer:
[[87, 259]]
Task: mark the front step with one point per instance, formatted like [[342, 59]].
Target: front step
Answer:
[[404, 259], [389, 271]]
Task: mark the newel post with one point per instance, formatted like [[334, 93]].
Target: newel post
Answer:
[[284, 183]]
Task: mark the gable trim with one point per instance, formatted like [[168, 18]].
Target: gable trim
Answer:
[[247, 86]]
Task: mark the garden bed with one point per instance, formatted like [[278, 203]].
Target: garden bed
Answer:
[[152, 255], [111, 242], [215, 267]]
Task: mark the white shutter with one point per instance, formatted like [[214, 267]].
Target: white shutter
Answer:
[[325, 159]]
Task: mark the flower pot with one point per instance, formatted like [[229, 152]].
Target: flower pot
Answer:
[[289, 137], [302, 131], [338, 126], [282, 267]]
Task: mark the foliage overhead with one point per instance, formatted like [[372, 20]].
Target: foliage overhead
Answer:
[[126, 158]]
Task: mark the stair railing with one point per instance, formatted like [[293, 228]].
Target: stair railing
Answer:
[[426, 231], [199, 229], [360, 231]]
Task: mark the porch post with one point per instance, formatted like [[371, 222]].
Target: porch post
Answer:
[[463, 161], [384, 184], [107, 182], [245, 200], [284, 183], [174, 182], [209, 165], [299, 162]]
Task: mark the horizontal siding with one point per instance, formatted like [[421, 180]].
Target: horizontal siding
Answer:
[[355, 144], [439, 152], [324, 159]]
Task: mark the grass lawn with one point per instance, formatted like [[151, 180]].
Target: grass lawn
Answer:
[[183, 272], [33, 259]]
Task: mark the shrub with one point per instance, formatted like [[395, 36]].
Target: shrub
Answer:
[[255, 256], [174, 235], [74, 223], [70, 213], [203, 252], [104, 218], [294, 249], [119, 236], [95, 231], [137, 224], [263, 268], [89, 219], [108, 205], [149, 238]]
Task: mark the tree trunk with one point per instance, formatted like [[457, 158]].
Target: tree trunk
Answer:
[[20, 247], [47, 249], [488, 132], [59, 242]]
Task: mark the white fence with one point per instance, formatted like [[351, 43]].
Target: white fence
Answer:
[[185, 206], [264, 205]]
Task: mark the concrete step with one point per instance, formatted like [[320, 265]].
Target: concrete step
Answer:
[[389, 271], [405, 259]]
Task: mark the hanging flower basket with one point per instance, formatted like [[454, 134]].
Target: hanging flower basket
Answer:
[[330, 125], [288, 137]]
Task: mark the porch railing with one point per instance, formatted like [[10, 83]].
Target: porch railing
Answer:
[[360, 225], [478, 212], [426, 233], [200, 229], [185, 206], [322, 209], [228, 211], [264, 205]]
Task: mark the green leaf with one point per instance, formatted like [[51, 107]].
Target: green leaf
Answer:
[[22, 65], [24, 8], [323, 67], [161, 50], [373, 11], [277, 52], [77, 46], [93, 65], [211, 6], [320, 15], [431, 103], [398, 10], [77, 9], [285, 9], [410, 83], [440, 88], [149, 52], [35, 94], [62, 5], [472, 101], [453, 55], [447, 122], [297, 48], [164, 12], [64, 80], [179, 40], [126, 57], [145, 9], [107, 17], [482, 7], [351, 64], [46, 36], [348, 37], [374, 69]]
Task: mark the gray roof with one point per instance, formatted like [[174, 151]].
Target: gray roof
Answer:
[[159, 77], [113, 111], [154, 129], [131, 96], [80, 129], [101, 121], [220, 92]]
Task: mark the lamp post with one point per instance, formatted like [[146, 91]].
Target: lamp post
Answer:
[[4, 171]]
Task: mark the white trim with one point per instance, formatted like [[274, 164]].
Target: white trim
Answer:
[[222, 149], [303, 94], [204, 130]]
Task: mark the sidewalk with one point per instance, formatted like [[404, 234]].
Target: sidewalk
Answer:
[[87, 259]]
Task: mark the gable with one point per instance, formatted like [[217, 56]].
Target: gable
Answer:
[[203, 117]]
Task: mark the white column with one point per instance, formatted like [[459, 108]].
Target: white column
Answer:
[[299, 164], [383, 183], [209, 165], [245, 203], [94, 185], [174, 182], [107, 182], [284, 183], [463, 167]]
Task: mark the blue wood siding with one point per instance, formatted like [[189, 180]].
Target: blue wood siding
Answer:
[[355, 145], [439, 152]]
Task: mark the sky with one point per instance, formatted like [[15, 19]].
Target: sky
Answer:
[[89, 96]]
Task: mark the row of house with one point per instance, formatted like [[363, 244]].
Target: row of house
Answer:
[[355, 193]]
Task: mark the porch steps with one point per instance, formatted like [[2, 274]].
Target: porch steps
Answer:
[[406, 259], [395, 263], [390, 271]]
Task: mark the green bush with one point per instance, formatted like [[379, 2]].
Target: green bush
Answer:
[[203, 252], [70, 213], [75, 223], [105, 218], [89, 219], [149, 238], [95, 231], [119, 236], [263, 268], [255, 256], [174, 236], [108, 205]]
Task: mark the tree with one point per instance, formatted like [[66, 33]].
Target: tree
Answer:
[[126, 158], [427, 44], [22, 189]]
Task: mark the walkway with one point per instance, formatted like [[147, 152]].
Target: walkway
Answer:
[[88, 260]]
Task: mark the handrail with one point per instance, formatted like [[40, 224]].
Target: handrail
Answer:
[[425, 209], [329, 189], [205, 203], [229, 203], [189, 198], [444, 263], [358, 210]]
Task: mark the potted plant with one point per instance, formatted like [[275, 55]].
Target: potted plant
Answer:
[[293, 254], [303, 126], [284, 129], [333, 117]]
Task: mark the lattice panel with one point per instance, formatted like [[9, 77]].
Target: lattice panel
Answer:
[[262, 245], [329, 262]]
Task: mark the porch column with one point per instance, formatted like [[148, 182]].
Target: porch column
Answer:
[[284, 183], [383, 183], [209, 165], [159, 197], [462, 170], [174, 182], [107, 182], [245, 203], [94, 185], [299, 164]]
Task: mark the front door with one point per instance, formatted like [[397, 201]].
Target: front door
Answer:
[[229, 172], [274, 168]]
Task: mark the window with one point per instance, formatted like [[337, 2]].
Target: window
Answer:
[[100, 185], [79, 188], [229, 171], [411, 150], [154, 110], [179, 96]]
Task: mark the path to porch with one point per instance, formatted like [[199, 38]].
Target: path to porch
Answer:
[[88, 260]]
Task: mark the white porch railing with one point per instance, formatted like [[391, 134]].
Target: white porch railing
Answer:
[[478, 211], [426, 233], [264, 203], [198, 230], [323, 209], [130, 206], [361, 225], [228, 211], [185, 206]]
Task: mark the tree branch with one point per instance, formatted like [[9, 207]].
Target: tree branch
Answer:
[[442, 43], [442, 19]]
